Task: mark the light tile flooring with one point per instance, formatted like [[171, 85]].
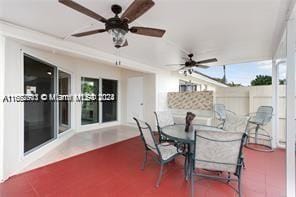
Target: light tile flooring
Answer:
[[85, 141]]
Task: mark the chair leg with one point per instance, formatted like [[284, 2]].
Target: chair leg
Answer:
[[145, 160], [185, 167], [256, 134], [160, 175], [192, 184], [239, 186]]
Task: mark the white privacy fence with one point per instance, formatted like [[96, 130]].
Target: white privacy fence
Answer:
[[245, 100]]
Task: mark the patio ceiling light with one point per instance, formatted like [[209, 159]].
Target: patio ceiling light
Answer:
[[186, 71], [118, 36]]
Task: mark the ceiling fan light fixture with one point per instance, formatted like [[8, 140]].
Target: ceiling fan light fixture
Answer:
[[117, 26], [118, 36]]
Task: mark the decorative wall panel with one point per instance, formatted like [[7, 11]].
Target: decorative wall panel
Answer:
[[191, 100]]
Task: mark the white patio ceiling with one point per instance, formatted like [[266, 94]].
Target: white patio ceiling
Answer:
[[231, 30]]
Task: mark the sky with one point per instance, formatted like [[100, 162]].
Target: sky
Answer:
[[243, 73]]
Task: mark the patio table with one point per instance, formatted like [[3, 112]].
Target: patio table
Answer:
[[177, 133]]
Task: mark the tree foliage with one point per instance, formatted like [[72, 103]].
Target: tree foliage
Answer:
[[261, 80]]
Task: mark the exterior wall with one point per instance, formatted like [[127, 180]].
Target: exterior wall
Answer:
[[245, 100], [149, 99], [13, 157], [165, 82]]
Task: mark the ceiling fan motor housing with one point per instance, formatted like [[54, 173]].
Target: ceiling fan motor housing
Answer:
[[116, 22], [116, 9]]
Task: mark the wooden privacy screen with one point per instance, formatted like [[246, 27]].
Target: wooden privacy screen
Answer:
[[191, 100]]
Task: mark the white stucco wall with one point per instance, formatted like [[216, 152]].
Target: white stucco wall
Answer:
[[14, 159]]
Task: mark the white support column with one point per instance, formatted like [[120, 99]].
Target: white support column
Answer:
[[290, 104], [2, 66], [275, 103]]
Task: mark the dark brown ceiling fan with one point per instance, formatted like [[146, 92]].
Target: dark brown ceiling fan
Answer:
[[190, 64], [118, 26]]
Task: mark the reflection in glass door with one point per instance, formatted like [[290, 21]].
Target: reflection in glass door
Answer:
[[90, 109], [39, 116], [109, 87], [64, 105]]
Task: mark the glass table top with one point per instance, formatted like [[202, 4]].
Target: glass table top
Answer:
[[177, 132]]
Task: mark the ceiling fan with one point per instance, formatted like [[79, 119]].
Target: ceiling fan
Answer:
[[189, 64], [117, 26]]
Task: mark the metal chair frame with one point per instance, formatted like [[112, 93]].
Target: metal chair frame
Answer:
[[228, 179], [258, 126], [220, 116], [149, 149], [161, 137]]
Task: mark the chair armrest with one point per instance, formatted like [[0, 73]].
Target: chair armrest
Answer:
[[230, 111], [165, 144]]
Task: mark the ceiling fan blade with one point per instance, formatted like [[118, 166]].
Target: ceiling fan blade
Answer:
[[87, 33], [207, 61], [125, 44], [175, 65], [82, 10], [136, 9], [146, 31], [201, 66], [182, 68]]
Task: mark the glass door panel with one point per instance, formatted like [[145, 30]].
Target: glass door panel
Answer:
[[109, 88], [39, 116], [90, 109]]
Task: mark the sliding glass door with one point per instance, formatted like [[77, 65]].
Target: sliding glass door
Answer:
[[64, 105], [90, 108], [109, 104], [39, 116]]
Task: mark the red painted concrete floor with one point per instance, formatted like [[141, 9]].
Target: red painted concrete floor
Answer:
[[115, 171]]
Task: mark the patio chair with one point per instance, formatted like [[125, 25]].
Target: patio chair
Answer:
[[218, 152], [163, 152], [258, 138], [235, 123], [163, 118], [220, 114]]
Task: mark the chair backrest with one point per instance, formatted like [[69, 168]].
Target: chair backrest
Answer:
[[219, 110], [235, 123], [263, 115], [164, 118], [146, 134], [219, 151]]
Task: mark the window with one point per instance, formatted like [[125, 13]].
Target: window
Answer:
[[109, 87], [90, 109], [185, 86], [39, 116]]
